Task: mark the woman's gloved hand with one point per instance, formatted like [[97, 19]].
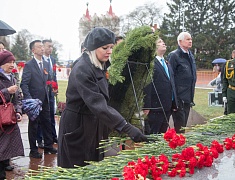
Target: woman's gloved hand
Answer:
[[134, 133]]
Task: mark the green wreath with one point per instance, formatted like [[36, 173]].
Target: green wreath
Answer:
[[135, 54]]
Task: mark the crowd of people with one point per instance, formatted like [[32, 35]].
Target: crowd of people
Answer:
[[87, 117], [37, 72]]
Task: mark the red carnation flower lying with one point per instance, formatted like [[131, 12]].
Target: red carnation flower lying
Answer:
[[174, 139]]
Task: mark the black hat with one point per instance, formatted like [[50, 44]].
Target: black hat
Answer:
[[98, 37]]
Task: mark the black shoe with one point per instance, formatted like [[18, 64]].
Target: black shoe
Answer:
[[41, 145], [55, 140], [35, 155], [9, 168], [50, 151]]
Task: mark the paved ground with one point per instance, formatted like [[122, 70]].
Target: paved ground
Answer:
[[22, 164], [222, 169]]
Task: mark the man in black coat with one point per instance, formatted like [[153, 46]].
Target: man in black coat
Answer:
[[160, 95], [33, 85], [184, 66]]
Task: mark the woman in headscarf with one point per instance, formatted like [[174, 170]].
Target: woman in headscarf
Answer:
[[10, 139], [87, 116]]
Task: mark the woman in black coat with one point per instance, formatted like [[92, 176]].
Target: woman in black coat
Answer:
[[87, 116], [10, 139]]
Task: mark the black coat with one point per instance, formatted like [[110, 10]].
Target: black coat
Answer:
[[184, 68], [10, 144], [86, 117], [165, 88]]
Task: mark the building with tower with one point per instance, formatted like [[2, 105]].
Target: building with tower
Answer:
[[108, 20]]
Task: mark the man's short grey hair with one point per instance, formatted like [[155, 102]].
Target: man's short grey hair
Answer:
[[181, 36]]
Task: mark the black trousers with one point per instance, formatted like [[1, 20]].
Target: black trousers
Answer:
[[52, 119], [180, 117], [158, 122], [2, 170], [44, 120], [231, 101]]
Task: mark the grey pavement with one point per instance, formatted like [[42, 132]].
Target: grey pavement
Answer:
[[23, 164]]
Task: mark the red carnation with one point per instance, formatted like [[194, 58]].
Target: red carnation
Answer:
[[200, 162], [169, 134], [172, 173], [54, 85], [48, 82], [54, 67], [21, 64], [182, 140], [182, 172], [228, 143], [214, 153], [208, 161], [192, 162], [187, 153], [191, 170], [218, 146], [14, 70], [200, 146]]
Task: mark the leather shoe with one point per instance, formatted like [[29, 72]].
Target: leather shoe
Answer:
[[50, 151], [41, 145], [9, 168], [35, 155]]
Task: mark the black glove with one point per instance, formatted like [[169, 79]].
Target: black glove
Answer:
[[135, 134]]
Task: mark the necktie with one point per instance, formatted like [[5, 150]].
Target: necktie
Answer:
[[50, 64], [165, 67], [40, 64], [167, 72]]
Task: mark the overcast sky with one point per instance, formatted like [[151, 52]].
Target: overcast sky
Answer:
[[58, 19]]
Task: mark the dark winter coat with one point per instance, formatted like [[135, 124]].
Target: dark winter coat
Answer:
[[165, 89], [10, 144], [184, 68], [86, 117]]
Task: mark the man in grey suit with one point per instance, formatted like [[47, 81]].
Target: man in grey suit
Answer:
[[33, 85]]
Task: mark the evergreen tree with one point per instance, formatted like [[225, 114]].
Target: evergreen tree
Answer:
[[56, 47], [20, 48], [211, 24]]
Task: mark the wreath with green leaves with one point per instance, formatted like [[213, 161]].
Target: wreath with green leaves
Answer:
[[138, 46], [131, 67]]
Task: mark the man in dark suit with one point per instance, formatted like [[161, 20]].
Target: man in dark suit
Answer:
[[184, 67], [33, 85], [48, 48], [160, 95]]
